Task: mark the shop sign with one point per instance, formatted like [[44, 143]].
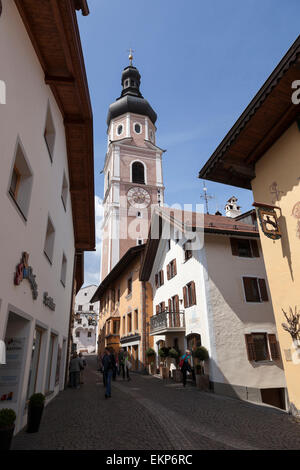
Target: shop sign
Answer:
[[48, 301], [23, 271], [268, 220]]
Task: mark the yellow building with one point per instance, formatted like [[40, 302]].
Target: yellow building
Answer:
[[125, 309], [262, 152]]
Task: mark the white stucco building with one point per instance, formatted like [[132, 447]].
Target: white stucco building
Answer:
[[218, 297], [85, 328], [46, 195]]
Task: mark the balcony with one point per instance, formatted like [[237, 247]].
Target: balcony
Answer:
[[167, 322]]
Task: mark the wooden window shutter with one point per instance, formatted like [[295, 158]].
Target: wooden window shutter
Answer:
[[169, 305], [168, 272], [248, 289], [254, 248], [163, 306], [273, 347], [157, 309], [263, 290], [250, 347], [234, 246], [175, 267], [156, 280], [162, 277], [185, 296], [177, 303], [193, 289]]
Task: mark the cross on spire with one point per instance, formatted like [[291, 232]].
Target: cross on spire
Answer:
[[130, 57]]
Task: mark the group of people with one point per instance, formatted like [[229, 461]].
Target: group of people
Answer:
[[76, 368], [111, 365]]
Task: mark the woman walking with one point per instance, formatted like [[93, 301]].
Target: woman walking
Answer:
[[127, 364], [185, 365]]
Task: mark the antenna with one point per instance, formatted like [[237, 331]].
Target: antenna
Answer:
[[206, 196]]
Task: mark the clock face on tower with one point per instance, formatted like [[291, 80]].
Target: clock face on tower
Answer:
[[138, 197]]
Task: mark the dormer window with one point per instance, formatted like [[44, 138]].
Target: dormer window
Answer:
[[132, 83]]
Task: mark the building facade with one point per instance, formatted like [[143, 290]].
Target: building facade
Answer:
[[133, 180], [85, 327], [125, 309], [266, 147], [217, 296], [45, 231]]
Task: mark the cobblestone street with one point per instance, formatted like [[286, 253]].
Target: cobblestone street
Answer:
[[147, 414]]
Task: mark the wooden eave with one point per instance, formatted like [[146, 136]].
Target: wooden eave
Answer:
[[265, 119], [53, 30]]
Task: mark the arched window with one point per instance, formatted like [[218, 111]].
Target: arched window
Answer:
[[138, 173], [193, 341]]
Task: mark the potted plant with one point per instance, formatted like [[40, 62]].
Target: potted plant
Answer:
[[35, 411], [150, 354], [163, 354], [202, 379], [7, 427], [177, 374]]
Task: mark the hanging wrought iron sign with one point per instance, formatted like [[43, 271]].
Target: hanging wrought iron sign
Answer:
[[48, 301], [23, 271], [268, 220]]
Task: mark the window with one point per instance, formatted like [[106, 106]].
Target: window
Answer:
[[260, 345], [63, 274], [49, 241], [171, 269], [119, 295], [189, 294], [139, 241], [80, 308], [120, 129], [129, 322], [137, 128], [89, 334], [160, 308], [136, 319], [113, 299], [64, 191], [116, 327], [159, 279], [91, 308], [79, 321], [139, 214], [49, 134], [138, 173], [244, 248], [77, 334], [255, 289], [129, 286], [21, 182], [187, 251], [124, 326], [168, 245], [173, 304]]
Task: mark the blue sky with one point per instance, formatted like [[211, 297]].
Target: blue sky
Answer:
[[201, 63]]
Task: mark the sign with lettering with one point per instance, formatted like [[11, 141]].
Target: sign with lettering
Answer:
[[24, 271], [48, 301]]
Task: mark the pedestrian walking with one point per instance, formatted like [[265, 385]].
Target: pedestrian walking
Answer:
[[109, 364], [121, 357], [82, 366], [74, 369], [114, 375], [185, 365], [127, 365]]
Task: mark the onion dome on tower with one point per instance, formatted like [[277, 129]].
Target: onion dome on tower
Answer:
[[131, 99]]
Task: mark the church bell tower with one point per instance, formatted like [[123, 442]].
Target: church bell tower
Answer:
[[133, 180]]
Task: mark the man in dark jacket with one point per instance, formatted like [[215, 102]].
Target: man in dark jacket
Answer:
[[109, 364]]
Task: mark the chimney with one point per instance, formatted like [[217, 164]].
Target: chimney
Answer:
[[231, 208]]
